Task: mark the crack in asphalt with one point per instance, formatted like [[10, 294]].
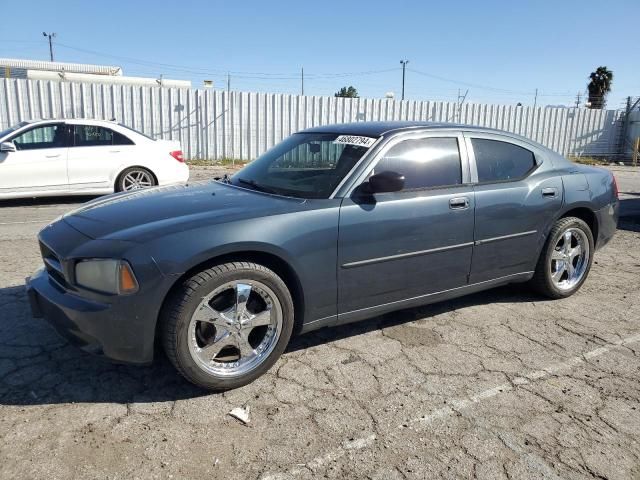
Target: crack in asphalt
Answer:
[[456, 407]]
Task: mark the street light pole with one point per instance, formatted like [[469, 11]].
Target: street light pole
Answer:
[[51, 36], [404, 66]]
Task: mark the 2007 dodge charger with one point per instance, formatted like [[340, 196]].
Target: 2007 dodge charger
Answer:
[[333, 225]]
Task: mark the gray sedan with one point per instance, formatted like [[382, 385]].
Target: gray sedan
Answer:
[[333, 225]]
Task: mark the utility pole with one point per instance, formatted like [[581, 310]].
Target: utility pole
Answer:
[[228, 82], [404, 66], [578, 100], [51, 36], [302, 81], [535, 99]]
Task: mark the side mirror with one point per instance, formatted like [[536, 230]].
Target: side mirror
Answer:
[[386, 182], [7, 147]]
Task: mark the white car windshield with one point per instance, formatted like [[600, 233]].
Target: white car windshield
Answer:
[[12, 129]]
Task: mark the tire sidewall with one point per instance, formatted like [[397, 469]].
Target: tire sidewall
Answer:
[[189, 366], [556, 233]]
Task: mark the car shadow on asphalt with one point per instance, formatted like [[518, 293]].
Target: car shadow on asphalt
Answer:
[[513, 293], [37, 367], [45, 201]]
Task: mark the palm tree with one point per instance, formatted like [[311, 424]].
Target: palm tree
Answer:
[[599, 86]]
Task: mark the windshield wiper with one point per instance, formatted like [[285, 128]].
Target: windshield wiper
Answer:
[[256, 186]]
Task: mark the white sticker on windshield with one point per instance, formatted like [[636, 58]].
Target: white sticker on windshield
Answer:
[[355, 140]]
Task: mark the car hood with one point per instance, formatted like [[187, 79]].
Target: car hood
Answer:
[[138, 216]]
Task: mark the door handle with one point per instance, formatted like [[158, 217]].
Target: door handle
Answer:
[[52, 156], [114, 151], [550, 192], [459, 203]]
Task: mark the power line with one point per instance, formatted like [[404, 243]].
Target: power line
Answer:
[[315, 79], [242, 74], [487, 87]]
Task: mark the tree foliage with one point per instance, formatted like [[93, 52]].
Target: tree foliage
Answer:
[[347, 92], [599, 86]]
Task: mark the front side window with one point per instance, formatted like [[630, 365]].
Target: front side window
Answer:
[[46, 136], [424, 162], [305, 165], [94, 136], [501, 161]]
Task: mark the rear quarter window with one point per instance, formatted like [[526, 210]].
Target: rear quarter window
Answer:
[[499, 161]]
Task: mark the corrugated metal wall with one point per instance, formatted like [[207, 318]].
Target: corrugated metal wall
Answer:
[[214, 124]]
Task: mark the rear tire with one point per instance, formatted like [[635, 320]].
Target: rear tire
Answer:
[[227, 325], [565, 260], [135, 178]]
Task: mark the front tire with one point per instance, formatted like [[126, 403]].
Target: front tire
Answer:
[[227, 325], [566, 259]]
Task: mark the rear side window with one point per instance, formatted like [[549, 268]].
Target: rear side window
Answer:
[[499, 161], [94, 136], [425, 162]]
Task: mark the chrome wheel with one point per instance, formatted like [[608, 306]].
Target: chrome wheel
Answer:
[[235, 328], [136, 179], [569, 259]]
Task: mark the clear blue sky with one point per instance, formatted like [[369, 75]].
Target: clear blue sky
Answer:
[[500, 50]]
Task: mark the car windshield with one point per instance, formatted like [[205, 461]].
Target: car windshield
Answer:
[[305, 165], [9, 130]]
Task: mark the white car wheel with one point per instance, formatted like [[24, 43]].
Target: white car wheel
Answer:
[[135, 178]]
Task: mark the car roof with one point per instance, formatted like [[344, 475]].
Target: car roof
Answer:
[[85, 121], [376, 129], [113, 125]]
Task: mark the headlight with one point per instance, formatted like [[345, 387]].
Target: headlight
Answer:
[[105, 275]]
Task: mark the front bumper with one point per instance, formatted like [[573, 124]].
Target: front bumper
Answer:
[[115, 330]]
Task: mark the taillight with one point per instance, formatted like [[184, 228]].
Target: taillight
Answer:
[[177, 154], [615, 186]]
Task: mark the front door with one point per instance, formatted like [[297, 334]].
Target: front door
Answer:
[[398, 246], [39, 163]]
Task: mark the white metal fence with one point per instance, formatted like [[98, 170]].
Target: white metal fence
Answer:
[[215, 124]]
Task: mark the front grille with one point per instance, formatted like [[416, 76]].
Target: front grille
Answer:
[[52, 264]]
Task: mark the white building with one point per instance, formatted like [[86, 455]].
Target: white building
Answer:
[[79, 72]]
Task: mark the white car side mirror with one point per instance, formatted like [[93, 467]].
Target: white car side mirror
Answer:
[[7, 147]]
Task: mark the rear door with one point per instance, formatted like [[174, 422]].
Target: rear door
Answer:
[[397, 246], [95, 156], [515, 199], [39, 162]]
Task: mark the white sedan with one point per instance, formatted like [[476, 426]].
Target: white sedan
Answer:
[[84, 157]]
